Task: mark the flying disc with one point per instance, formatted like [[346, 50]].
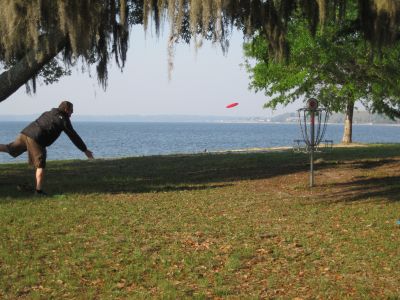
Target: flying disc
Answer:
[[232, 105]]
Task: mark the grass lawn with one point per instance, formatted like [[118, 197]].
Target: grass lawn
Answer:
[[234, 225]]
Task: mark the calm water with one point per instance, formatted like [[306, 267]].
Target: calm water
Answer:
[[109, 140]]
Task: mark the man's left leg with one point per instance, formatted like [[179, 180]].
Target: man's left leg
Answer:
[[37, 158], [39, 179]]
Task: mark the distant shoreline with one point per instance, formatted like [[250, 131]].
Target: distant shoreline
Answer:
[[238, 121], [359, 118]]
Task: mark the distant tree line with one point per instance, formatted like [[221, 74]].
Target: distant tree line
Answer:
[[359, 117], [363, 117]]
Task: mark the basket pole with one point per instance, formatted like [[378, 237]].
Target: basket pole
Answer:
[[312, 128]]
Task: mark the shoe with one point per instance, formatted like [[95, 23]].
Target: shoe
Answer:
[[40, 193]]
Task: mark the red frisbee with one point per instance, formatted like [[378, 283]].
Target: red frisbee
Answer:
[[232, 105]]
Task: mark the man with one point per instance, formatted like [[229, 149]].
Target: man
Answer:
[[42, 133]]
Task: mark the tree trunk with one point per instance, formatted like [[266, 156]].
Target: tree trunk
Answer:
[[12, 79], [348, 124]]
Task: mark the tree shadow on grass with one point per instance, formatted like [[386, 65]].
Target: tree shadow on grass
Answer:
[[191, 172], [365, 189], [151, 174], [370, 164]]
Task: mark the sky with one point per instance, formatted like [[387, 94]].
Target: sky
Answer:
[[202, 83]]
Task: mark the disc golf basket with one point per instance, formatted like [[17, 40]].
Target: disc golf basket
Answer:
[[312, 121]]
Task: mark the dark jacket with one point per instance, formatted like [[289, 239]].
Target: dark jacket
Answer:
[[48, 127]]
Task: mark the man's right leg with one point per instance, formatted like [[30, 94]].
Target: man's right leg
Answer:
[[4, 148], [15, 148]]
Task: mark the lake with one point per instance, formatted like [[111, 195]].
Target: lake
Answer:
[[113, 139]]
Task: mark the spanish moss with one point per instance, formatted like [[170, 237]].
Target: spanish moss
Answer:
[[98, 30]]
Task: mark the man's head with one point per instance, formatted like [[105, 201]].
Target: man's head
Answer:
[[66, 107]]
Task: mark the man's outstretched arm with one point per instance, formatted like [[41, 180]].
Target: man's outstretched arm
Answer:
[[76, 139]]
